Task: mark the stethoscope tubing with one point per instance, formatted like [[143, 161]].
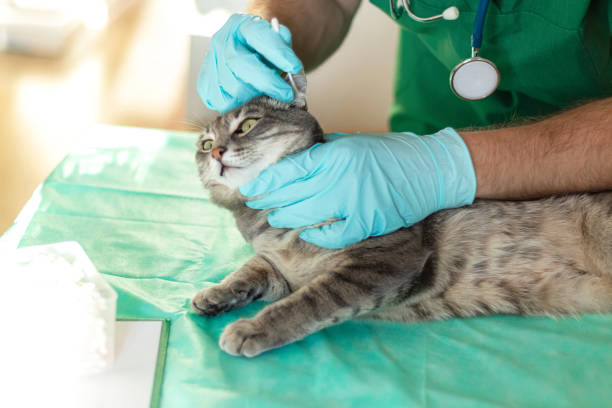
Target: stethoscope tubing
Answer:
[[481, 14], [415, 17]]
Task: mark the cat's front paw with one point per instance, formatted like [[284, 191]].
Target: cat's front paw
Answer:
[[247, 338], [215, 300]]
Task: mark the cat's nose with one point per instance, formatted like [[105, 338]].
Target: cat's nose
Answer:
[[217, 152]]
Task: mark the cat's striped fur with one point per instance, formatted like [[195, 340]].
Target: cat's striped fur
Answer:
[[543, 257]]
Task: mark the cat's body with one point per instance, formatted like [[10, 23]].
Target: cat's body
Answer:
[[544, 257]]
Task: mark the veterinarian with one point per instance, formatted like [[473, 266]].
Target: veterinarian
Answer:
[[554, 64]]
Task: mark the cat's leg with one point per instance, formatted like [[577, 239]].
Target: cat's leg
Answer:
[[327, 300], [256, 279]]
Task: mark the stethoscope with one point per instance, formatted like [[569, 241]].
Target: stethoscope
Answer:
[[474, 78]]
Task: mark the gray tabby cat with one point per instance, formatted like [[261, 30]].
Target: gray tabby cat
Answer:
[[545, 257]]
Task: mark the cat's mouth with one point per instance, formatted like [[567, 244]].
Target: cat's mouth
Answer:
[[225, 168]]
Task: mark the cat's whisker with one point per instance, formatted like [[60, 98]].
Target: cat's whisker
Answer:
[[193, 124]]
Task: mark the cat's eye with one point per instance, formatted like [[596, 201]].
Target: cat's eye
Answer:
[[245, 126], [207, 145]]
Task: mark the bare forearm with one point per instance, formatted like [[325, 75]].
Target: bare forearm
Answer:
[[317, 26], [569, 152]]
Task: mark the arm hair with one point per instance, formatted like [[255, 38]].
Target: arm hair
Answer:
[[566, 153]]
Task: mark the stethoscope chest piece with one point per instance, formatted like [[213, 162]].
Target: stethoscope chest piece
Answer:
[[474, 78]]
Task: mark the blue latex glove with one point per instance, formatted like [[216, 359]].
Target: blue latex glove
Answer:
[[375, 183], [244, 60]]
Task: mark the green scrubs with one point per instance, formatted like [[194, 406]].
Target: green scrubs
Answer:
[[551, 54]]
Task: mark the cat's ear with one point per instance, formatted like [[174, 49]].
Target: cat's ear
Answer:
[[299, 89]]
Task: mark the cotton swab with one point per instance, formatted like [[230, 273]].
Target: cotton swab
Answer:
[[276, 27]]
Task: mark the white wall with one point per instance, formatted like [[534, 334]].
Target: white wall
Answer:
[[351, 91]]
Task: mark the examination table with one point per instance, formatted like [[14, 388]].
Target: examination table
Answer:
[[131, 197]]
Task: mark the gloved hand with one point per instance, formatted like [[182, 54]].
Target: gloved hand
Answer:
[[375, 183], [243, 62]]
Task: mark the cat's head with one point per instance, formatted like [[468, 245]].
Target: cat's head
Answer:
[[237, 146]]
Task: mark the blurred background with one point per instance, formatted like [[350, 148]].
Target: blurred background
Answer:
[[66, 65]]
